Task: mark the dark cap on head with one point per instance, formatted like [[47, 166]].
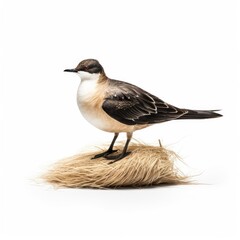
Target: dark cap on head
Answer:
[[88, 65]]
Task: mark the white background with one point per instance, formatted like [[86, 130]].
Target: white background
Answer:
[[185, 52]]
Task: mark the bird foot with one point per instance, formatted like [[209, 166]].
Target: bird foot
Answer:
[[104, 154], [116, 158]]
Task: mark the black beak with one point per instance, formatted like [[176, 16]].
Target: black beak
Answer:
[[70, 70]]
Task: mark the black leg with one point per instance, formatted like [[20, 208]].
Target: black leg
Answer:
[[110, 149], [123, 154]]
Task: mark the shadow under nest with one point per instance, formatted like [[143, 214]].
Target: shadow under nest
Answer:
[[145, 166]]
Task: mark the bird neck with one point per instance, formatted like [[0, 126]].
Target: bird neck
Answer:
[[93, 77], [102, 78], [91, 86]]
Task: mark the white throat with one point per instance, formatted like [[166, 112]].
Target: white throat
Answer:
[[88, 85], [88, 76]]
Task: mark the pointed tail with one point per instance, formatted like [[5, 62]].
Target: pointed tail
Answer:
[[200, 114]]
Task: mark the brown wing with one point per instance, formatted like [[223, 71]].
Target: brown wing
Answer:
[[132, 105]]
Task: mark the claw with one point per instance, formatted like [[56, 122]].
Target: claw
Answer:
[[104, 154], [116, 158]]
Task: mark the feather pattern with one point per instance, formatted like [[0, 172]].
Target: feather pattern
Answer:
[[132, 105]]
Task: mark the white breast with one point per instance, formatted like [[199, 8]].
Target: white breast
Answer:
[[90, 97]]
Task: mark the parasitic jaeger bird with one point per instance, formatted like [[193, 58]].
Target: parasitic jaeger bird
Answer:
[[116, 106]]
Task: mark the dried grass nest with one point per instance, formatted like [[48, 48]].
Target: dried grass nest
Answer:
[[145, 166]]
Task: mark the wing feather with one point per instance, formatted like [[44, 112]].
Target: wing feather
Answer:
[[132, 105]]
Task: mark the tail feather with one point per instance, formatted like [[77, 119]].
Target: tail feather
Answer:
[[200, 114]]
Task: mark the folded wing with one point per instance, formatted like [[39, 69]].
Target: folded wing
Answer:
[[132, 105]]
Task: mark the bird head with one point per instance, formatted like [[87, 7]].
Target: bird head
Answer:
[[87, 69]]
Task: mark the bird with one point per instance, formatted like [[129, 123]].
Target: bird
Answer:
[[116, 106]]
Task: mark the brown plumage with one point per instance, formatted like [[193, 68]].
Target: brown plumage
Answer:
[[117, 106]]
